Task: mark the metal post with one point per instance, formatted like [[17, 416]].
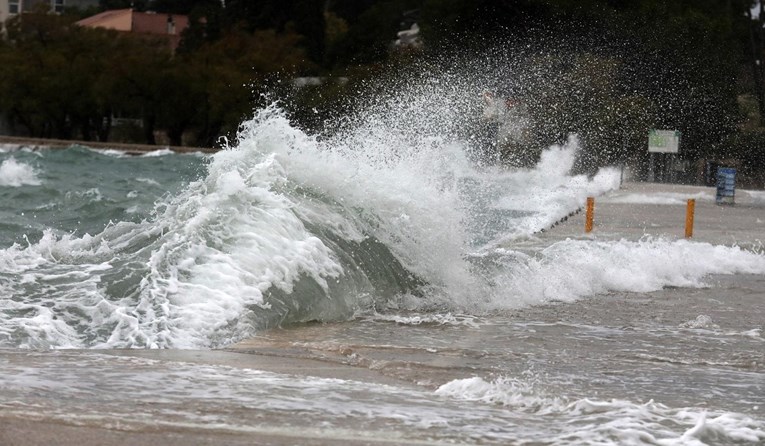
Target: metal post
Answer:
[[689, 210]]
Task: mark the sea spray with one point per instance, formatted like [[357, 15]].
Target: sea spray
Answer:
[[368, 186], [577, 268], [14, 174], [288, 227]]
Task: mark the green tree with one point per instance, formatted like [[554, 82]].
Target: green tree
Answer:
[[370, 30], [229, 75], [138, 78], [48, 71], [299, 17]]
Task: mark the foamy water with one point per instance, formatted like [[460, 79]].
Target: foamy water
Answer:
[[268, 236], [180, 395], [649, 423], [403, 242], [579, 268], [15, 174]]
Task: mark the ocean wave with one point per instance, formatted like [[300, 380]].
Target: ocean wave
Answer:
[[286, 227]]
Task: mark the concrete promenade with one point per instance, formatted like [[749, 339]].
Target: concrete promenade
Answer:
[[652, 209]]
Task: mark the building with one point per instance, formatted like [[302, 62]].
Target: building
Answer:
[[169, 26], [10, 8]]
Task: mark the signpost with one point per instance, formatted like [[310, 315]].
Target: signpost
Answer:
[[726, 185], [662, 141]]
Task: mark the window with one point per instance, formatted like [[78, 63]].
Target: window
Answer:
[[13, 6], [58, 6]]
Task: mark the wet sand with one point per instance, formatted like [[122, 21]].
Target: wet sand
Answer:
[[735, 306]]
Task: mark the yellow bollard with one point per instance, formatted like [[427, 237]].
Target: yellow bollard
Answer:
[[689, 210], [590, 214]]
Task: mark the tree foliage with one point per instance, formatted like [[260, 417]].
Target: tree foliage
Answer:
[[63, 81], [605, 69]]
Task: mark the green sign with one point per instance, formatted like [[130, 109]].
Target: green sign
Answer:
[[663, 141]]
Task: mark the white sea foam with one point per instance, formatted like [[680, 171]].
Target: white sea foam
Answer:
[[590, 421], [69, 386], [93, 195], [14, 174], [147, 181], [577, 268], [397, 187], [701, 321], [518, 394], [755, 333], [227, 240], [428, 319], [757, 197], [287, 214], [158, 152], [549, 192], [111, 152]]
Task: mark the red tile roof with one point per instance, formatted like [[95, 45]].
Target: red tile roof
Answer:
[[97, 20], [170, 25], [152, 23]]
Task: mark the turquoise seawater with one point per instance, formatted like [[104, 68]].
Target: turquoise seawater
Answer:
[[79, 191]]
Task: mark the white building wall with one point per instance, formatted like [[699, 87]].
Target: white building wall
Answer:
[[80, 3], [3, 10], [29, 5]]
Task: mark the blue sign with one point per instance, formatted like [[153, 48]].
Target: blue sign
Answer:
[[726, 185]]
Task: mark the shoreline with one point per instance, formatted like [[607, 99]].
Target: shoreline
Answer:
[[129, 148]]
